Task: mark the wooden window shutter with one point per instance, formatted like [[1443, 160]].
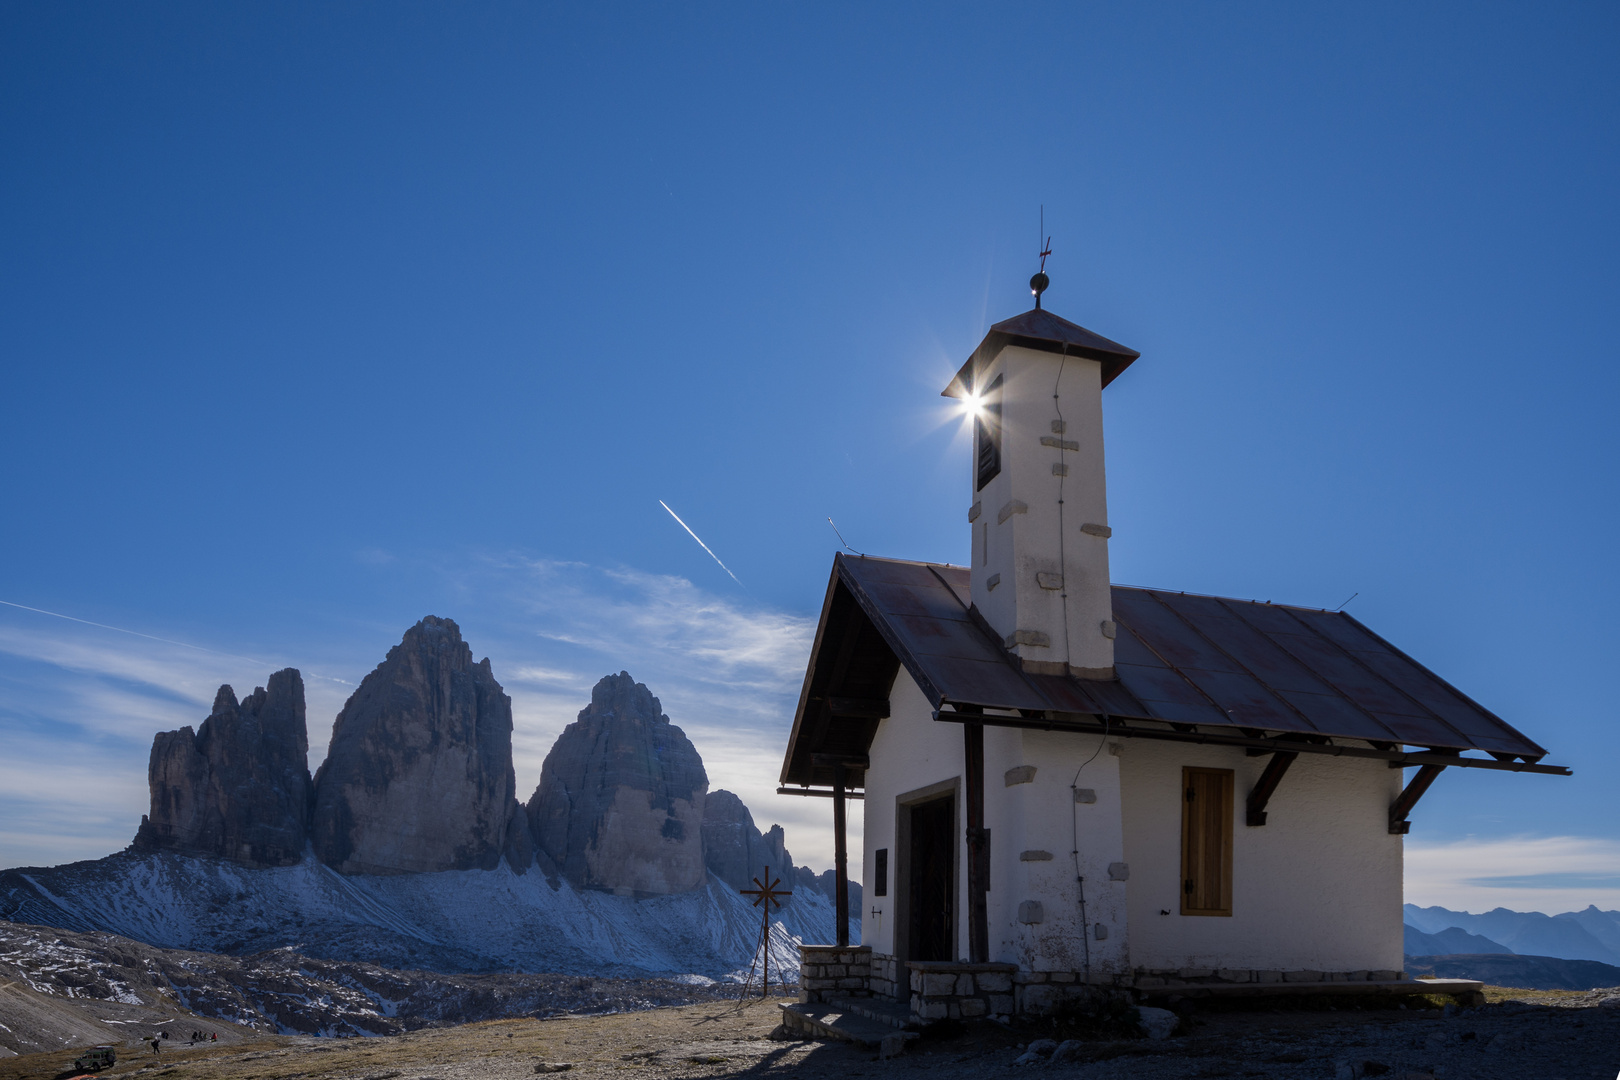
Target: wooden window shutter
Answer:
[[1206, 841]]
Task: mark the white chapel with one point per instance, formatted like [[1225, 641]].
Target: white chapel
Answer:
[[1069, 783]]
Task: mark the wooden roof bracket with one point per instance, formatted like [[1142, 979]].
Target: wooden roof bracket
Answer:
[[823, 793], [858, 708], [847, 761], [1402, 806], [1266, 786]]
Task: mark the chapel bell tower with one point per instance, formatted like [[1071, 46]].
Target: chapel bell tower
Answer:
[[1039, 509]]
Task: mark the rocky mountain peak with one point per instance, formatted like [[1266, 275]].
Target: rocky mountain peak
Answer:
[[621, 796], [733, 848], [621, 695], [419, 775], [238, 787]]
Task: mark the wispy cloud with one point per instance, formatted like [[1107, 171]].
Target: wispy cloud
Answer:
[[1526, 873], [61, 801], [727, 671]]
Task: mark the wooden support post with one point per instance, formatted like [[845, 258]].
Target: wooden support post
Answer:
[[977, 862], [1266, 786], [1398, 825], [840, 859]]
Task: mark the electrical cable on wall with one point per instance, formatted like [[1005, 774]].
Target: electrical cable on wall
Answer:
[[1063, 476], [1079, 878]]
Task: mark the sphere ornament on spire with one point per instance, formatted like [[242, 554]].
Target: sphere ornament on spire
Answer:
[[1038, 284]]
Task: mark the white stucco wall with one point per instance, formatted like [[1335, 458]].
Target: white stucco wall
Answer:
[[1318, 887], [911, 750], [1083, 839]]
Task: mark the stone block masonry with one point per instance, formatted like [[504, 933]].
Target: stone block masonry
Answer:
[[1159, 979], [885, 977], [949, 990], [953, 990], [828, 971]]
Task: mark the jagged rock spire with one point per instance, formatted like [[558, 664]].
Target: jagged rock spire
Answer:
[[621, 796], [238, 787], [419, 774]]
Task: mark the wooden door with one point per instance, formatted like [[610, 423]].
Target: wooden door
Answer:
[[931, 867]]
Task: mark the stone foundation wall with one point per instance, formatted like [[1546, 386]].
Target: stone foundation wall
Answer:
[[830, 971], [1169, 978], [885, 982], [1042, 993], [945, 989]]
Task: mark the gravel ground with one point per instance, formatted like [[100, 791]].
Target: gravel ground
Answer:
[[1540, 1037]]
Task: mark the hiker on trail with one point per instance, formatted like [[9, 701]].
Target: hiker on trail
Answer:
[[155, 1045]]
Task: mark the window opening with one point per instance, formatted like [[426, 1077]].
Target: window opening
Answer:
[[987, 436], [1206, 841]]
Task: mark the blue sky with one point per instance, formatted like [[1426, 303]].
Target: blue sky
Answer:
[[315, 319]]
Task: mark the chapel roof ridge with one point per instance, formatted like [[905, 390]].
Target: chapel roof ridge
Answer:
[[1120, 585]]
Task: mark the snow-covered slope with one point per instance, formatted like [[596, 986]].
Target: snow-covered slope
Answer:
[[63, 988], [462, 920]]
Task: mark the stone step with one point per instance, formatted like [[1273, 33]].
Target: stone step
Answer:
[[819, 1020], [894, 1013]]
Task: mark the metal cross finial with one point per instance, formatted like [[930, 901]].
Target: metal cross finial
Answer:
[[1040, 281]]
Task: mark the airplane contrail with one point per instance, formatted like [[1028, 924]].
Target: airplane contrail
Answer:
[[701, 544]]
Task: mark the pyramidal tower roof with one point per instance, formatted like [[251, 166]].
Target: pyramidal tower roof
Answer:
[[1042, 330]]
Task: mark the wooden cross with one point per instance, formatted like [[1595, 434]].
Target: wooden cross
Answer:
[[766, 895]]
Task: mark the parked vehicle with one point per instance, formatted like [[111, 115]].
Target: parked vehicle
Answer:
[[100, 1057]]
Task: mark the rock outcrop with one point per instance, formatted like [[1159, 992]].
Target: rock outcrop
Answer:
[[734, 850], [419, 775], [621, 797], [238, 787], [419, 779]]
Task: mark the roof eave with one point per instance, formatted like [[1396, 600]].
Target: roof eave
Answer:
[[1113, 363], [810, 672]]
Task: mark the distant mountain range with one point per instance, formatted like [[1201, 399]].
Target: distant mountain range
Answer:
[[1448, 941], [409, 848], [1591, 934], [1577, 950]]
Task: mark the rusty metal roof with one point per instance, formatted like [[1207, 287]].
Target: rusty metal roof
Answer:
[[1201, 663], [1046, 332]]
